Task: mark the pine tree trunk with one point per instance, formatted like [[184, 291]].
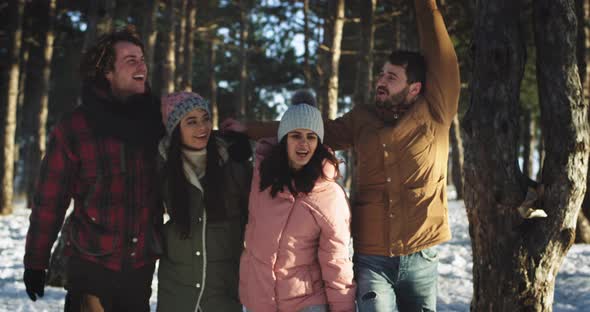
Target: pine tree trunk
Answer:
[[335, 61], [244, 33], [457, 157], [169, 69], [180, 44], [213, 83], [515, 261], [583, 13], [564, 120], [149, 32], [8, 107], [307, 72], [187, 78], [38, 92], [330, 59], [364, 79]]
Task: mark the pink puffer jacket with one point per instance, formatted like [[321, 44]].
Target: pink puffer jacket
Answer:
[[297, 248]]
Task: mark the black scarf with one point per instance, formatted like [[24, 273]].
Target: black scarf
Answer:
[[137, 121]]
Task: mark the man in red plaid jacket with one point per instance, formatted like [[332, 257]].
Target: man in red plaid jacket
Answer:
[[102, 155]]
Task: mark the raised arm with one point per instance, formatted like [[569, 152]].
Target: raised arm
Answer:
[[442, 68]]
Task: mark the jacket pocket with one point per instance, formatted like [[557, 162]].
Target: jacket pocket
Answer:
[[297, 284], [90, 237], [177, 250]]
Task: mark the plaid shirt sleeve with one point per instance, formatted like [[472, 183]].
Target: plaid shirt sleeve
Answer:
[[51, 199]]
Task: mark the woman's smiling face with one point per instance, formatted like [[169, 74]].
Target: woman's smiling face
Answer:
[[195, 129]]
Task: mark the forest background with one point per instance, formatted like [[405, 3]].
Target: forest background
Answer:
[[521, 133]]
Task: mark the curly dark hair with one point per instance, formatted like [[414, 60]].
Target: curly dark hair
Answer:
[[276, 173], [100, 58], [414, 64]]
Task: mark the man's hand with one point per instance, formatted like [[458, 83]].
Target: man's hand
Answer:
[[35, 283], [231, 124]]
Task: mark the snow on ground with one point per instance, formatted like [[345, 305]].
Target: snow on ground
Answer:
[[572, 289]]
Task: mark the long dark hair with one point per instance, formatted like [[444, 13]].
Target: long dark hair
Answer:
[[276, 173], [177, 186]]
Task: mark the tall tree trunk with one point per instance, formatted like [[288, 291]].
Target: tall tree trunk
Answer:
[[38, 92], [244, 33], [564, 119], [306, 39], [213, 83], [332, 41], [169, 69], [180, 43], [515, 261], [187, 78], [149, 32], [364, 79], [493, 183], [527, 135], [8, 106], [583, 14], [457, 157]]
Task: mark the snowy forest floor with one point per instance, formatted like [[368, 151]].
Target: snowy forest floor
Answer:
[[572, 288]]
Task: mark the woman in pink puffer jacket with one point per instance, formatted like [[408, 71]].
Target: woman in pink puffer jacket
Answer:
[[296, 255]]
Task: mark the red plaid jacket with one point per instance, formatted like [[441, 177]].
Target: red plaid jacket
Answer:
[[117, 207]]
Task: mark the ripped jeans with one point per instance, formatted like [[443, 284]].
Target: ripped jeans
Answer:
[[390, 284]]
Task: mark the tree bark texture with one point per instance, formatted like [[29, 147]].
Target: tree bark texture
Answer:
[[457, 156], [564, 117], [187, 78], [516, 261], [307, 72], [330, 59], [213, 83], [149, 32], [38, 86], [364, 79], [8, 106], [242, 108], [169, 69], [181, 15], [583, 13]]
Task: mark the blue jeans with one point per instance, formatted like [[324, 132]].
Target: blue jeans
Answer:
[[391, 284], [314, 308]]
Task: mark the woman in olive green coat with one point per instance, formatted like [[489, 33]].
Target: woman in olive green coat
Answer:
[[205, 182]]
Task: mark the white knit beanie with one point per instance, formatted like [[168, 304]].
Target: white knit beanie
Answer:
[[301, 116]]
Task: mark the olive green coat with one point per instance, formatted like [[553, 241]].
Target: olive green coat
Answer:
[[204, 269]]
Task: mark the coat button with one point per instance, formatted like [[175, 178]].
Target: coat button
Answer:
[[134, 240], [388, 179], [198, 285], [133, 254], [198, 253]]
